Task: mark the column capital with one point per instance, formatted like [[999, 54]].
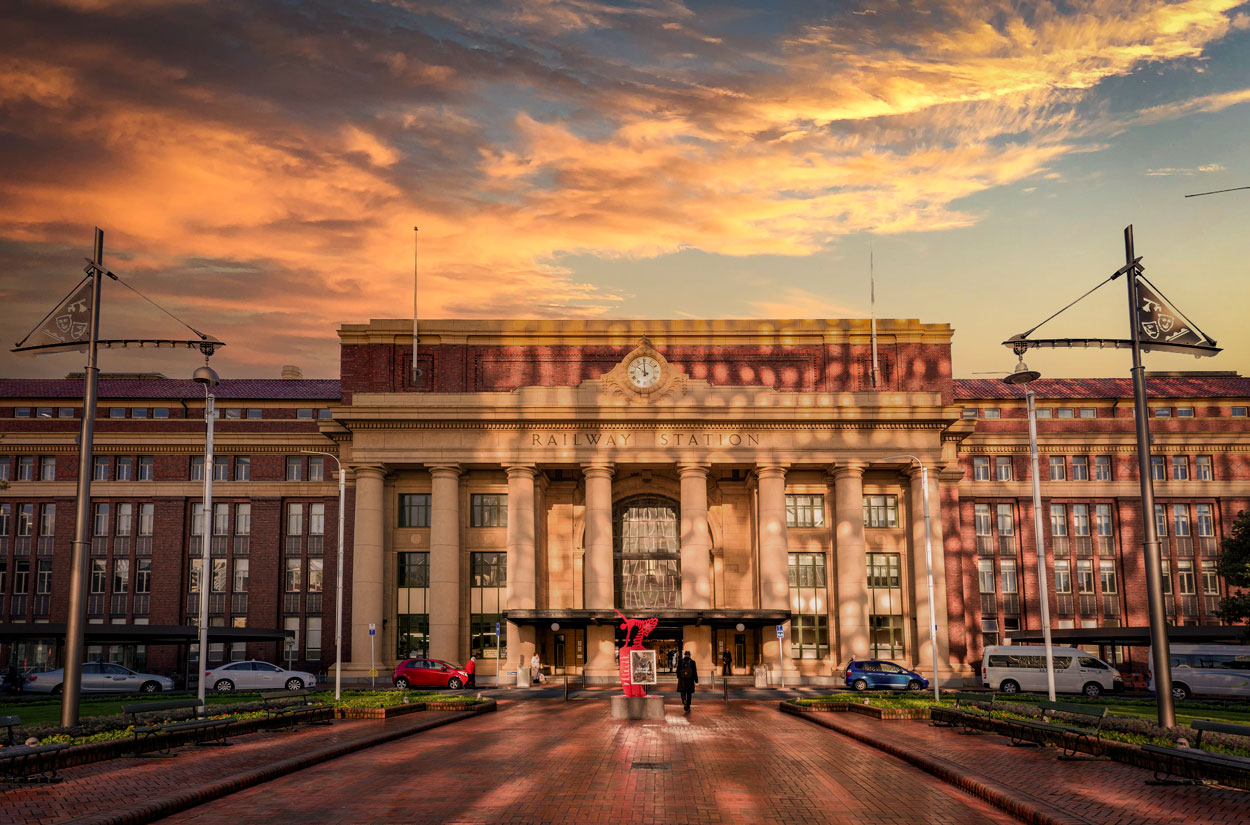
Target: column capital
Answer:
[[693, 468], [771, 470], [913, 471], [848, 469], [444, 470], [602, 470], [368, 470], [520, 471]]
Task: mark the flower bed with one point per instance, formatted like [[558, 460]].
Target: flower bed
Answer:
[[876, 707]]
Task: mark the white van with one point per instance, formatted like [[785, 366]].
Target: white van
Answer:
[[1216, 670], [1013, 668]]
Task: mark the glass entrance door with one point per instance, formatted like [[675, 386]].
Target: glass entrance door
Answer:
[[665, 641]]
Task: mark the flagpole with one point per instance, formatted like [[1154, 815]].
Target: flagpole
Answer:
[[76, 618]]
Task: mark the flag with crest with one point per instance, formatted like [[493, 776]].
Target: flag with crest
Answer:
[[66, 329], [1164, 328]]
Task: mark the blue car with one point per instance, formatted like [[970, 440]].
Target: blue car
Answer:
[[877, 673]]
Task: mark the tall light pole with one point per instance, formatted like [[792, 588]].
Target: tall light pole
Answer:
[[928, 561], [338, 576], [208, 377], [1024, 375]]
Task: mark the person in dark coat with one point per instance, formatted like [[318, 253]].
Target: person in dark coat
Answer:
[[726, 664], [687, 678]]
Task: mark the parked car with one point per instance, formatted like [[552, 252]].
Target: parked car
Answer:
[[428, 673], [1015, 668], [254, 675], [877, 673], [100, 677]]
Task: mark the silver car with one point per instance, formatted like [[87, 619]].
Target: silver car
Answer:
[[100, 677], [254, 675]]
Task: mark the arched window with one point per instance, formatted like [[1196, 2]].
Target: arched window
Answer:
[[647, 552]]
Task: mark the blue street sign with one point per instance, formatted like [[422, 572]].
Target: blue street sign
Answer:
[[373, 630], [496, 628], [781, 631]]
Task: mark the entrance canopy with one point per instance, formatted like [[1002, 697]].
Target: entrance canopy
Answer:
[[1131, 636], [143, 634], [669, 617]]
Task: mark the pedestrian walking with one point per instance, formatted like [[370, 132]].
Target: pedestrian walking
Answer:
[[470, 669], [687, 678], [726, 664], [536, 669]]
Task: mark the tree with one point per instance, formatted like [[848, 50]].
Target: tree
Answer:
[[1234, 566]]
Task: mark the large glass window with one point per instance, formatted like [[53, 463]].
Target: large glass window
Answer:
[[1206, 521], [414, 509], [1180, 468], [981, 519], [1007, 575], [47, 520], [412, 635], [1057, 468], [886, 636], [809, 606], [239, 584], [413, 570], [884, 571], [1102, 519], [124, 519], [147, 468], [1080, 468], [295, 519], [985, 575], [1202, 468], [1003, 470], [1084, 576], [804, 510], [647, 553], [488, 580], [243, 519], [143, 576], [880, 511], [1106, 571], [1185, 578], [1063, 576], [147, 518], [293, 581], [1080, 519], [1006, 521], [242, 468], [316, 575], [1158, 472], [316, 519], [488, 510], [1180, 519]]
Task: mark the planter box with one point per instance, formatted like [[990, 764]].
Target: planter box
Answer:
[[861, 709], [402, 710]]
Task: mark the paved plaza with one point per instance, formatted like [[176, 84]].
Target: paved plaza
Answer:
[[539, 760]]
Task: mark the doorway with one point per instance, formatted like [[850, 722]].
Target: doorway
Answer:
[[665, 641]]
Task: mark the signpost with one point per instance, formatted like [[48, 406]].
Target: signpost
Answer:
[[373, 668], [781, 661], [498, 660]]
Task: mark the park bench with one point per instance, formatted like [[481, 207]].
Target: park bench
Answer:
[[963, 708], [205, 731], [1168, 759], [1071, 737], [287, 708], [28, 763]]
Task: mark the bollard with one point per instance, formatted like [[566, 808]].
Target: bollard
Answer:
[[725, 685], [566, 686]]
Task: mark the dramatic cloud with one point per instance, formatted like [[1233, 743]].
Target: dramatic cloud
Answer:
[[260, 167]]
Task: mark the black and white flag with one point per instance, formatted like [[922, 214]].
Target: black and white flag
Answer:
[[1163, 328], [66, 329]]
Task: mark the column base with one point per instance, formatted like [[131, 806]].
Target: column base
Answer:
[[637, 707]]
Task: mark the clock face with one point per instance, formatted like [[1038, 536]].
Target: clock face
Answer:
[[644, 371]]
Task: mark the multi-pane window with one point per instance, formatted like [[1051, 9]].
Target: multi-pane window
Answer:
[[885, 640], [413, 570], [243, 519], [217, 578], [880, 511], [312, 634], [99, 468], [295, 519], [412, 636], [121, 576], [26, 519], [1163, 412], [1102, 519], [47, 468], [1058, 520], [316, 519], [25, 468], [1063, 576], [125, 466], [1057, 468], [805, 510], [809, 606], [242, 468], [1161, 520], [100, 521], [1006, 520], [1080, 519], [1106, 572], [414, 509], [1184, 412], [221, 519], [197, 468], [147, 468], [43, 578], [1165, 570], [1045, 412], [221, 467], [488, 579], [1210, 579], [125, 518], [991, 412], [1240, 412], [47, 520], [4, 468], [1088, 412], [1202, 468], [1157, 470], [1180, 468], [1180, 520], [316, 468], [143, 576], [1003, 470], [1186, 585], [985, 575], [195, 571], [1007, 575], [21, 575], [294, 468], [5, 514], [1206, 520], [316, 575], [147, 518], [1065, 412], [981, 519], [1080, 468], [980, 468], [293, 580], [488, 510], [884, 571], [239, 585], [1085, 576], [1102, 468], [99, 576]]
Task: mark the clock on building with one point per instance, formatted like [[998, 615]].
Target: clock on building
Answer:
[[644, 372]]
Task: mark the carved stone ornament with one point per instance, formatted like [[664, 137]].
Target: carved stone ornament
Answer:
[[644, 376]]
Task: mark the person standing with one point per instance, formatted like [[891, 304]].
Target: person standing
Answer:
[[536, 669], [470, 669], [687, 678], [727, 664]]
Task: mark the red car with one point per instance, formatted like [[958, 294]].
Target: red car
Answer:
[[428, 673]]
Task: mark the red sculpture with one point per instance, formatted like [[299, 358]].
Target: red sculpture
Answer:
[[644, 627]]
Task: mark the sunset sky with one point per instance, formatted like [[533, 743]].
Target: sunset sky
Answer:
[[258, 167]]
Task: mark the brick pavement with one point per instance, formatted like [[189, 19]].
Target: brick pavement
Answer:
[[120, 787], [1106, 793], [541, 761]]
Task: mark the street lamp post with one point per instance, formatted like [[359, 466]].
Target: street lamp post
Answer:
[[208, 377], [1024, 375], [928, 558], [338, 577]]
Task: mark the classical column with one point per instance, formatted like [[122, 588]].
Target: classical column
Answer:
[[522, 585], [851, 550], [774, 563], [599, 569], [367, 569], [922, 649], [696, 559], [444, 599]]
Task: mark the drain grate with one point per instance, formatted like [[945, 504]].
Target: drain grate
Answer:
[[651, 766]]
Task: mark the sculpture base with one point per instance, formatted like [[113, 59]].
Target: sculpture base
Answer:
[[637, 707]]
